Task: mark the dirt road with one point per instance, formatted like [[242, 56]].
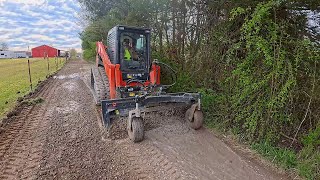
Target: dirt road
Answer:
[[62, 138]]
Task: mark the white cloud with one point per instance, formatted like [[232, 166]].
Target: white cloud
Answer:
[[40, 37], [67, 8], [25, 2], [9, 13], [37, 22], [9, 34], [50, 8]]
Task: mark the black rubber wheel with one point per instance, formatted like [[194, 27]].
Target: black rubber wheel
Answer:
[[197, 120], [98, 87], [136, 131]]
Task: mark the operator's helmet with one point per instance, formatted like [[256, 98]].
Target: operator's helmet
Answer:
[[127, 41]]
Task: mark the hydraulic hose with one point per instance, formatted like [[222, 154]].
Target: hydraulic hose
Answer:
[[174, 74]]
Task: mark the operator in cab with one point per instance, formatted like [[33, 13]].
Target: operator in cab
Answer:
[[129, 51]]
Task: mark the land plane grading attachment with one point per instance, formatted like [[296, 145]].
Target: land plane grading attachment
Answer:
[[126, 83]]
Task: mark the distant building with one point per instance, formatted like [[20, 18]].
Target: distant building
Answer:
[[21, 54], [63, 53], [6, 54], [29, 54], [45, 51]]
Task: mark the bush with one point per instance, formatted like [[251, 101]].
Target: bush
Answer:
[[310, 155], [89, 53]]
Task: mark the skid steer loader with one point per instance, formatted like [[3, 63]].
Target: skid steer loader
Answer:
[[125, 82]]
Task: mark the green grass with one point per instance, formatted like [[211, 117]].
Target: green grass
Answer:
[[14, 78], [309, 164], [306, 162], [285, 158]]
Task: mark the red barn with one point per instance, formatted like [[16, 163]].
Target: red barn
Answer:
[[44, 51]]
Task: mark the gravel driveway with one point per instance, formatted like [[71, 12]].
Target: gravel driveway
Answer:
[[62, 138]]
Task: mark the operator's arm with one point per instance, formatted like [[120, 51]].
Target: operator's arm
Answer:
[[134, 55]]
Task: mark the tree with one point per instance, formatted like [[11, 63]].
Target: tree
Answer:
[[4, 46], [199, 39], [259, 57], [73, 53]]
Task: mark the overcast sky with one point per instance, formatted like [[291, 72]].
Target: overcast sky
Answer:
[[38, 22]]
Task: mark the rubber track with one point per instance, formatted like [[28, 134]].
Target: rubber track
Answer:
[[105, 81], [100, 89], [21, 144]]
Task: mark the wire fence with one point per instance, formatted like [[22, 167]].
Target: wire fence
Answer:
[[21, 76]]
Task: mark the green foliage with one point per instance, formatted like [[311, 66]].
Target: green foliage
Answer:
[[73, 53], [271, 72], [310, 155], [31, 102], [312, 139], [306, 161], [255, 63], [283, 157], [90, 52], [309, 165], [236, 12], [212, 106], [265, 76], [184, 78], [184, 83]]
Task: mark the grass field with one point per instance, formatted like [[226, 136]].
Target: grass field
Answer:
[[14, 78]]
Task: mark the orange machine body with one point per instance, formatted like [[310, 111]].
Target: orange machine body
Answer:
[[114, 73]]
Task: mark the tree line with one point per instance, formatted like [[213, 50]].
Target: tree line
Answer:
[[256, 62], [4, 46]]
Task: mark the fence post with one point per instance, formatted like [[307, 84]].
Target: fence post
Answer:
[[48, 66], [56, 61], [30, 74]]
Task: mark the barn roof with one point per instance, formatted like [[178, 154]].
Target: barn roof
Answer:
[[45, 46]]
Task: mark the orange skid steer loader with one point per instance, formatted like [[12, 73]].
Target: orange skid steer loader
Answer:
[[125, 82]]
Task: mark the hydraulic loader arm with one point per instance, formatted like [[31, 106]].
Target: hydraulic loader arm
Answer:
[[110, 69], [102, 55]]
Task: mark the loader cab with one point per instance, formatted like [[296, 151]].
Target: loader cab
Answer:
[[130, 47]]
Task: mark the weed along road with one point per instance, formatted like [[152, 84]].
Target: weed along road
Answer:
[[62, 138]]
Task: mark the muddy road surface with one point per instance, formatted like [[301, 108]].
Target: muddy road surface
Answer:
[[62, 138]]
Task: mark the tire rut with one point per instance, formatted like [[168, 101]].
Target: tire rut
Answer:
[[148, 162], [21, 151], [75, 148]]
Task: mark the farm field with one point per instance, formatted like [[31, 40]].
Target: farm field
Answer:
[[14, 78]]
